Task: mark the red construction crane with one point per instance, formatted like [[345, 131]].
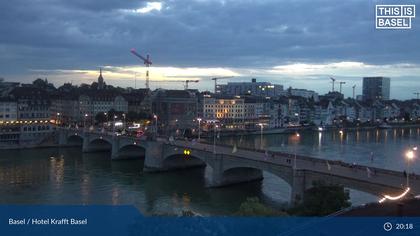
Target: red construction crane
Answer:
[[216, 79], [146, 61]]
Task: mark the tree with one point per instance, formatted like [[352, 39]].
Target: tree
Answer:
[[321, 200], [40, 83], [67, 87], [253, 207], [43, 84]]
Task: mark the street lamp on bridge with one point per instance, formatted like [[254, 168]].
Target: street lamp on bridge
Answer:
[[409, 156], [199, 128], [215, 126], [261, 134], [296, 140], [123, 120], [156, 124], [58, 118], [84, 121]]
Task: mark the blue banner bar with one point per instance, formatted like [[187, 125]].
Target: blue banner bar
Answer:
[[127, 220]]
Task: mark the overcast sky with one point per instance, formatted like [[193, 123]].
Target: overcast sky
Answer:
[[298, 43]]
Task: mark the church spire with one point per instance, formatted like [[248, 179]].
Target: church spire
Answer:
[[101, 83]]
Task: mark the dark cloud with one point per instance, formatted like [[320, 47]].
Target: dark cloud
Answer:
[[76, 34]]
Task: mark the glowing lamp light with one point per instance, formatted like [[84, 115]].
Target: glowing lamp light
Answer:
[[187, 152], [409, 155], [341, 132]]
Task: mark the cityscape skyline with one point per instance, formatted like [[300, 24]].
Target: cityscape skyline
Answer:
[[206, 84]]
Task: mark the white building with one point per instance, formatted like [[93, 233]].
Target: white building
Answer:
[[8, 111], [217, 108], [304, 93], [415, 111], [364, 112], [264, 89], [390, 111]]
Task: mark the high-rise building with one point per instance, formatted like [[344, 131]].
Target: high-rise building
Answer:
[[376, 88]]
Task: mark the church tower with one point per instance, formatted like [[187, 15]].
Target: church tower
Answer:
[[101, 83]]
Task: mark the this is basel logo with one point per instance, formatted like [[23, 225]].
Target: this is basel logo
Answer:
[[394, 16]]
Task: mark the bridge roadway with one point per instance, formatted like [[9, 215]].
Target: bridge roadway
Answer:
[[242, 165]]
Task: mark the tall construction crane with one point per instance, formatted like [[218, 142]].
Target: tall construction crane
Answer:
[[186, 82], [354, 89], [333, 82], [341, 84], [146, 60], [218, 78]]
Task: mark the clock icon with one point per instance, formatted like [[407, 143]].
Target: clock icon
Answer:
[[387, 226]]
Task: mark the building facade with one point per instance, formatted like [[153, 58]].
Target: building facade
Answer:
[[254, 88], [8, 110], [376, 88], [174, 109]]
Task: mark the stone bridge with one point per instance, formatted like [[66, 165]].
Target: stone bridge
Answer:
[[228, 167]]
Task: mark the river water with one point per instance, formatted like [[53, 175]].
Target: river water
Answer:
[[68, 176]]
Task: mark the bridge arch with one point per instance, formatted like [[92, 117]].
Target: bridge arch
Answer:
[[99, 144], [74, 139], [239, 175], [130, 151], [232, 165]]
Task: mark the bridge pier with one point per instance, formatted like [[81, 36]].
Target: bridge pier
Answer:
[[115, 148], [62, 138], [153, 161], [299, 186], [85, 145]]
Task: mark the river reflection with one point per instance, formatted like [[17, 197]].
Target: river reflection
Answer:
[[68, 176]]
